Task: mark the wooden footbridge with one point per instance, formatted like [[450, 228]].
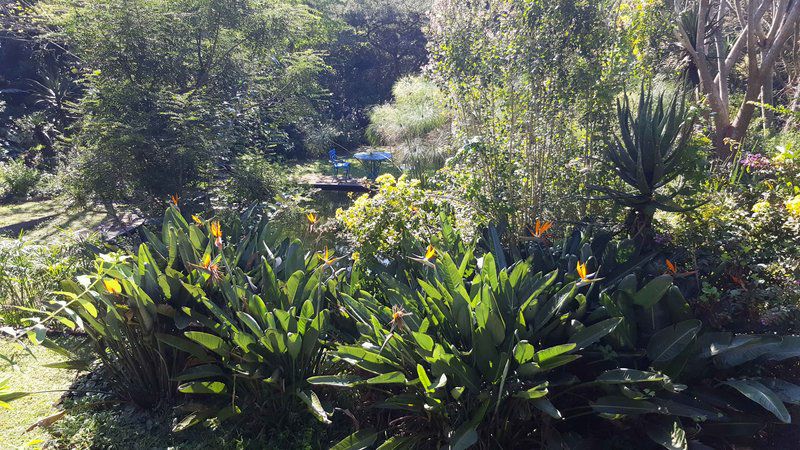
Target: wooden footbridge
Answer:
[[341, 184]]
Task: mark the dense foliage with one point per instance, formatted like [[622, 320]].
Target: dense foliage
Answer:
[[587, 237], [459, 351]]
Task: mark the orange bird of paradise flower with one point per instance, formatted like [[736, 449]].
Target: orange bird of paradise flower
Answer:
[[210, 268], [430, 252], [397, 322], [581, 269], [216, 231], [427, 259], [174, 198], [112, 286], [672, 269], [197, 220], [540, 228], [327, 257]]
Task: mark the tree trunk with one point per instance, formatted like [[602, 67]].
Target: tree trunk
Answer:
[[767, 98], [791, 121], [745, 115]]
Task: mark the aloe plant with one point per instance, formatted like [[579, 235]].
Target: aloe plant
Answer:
[[647, 155]]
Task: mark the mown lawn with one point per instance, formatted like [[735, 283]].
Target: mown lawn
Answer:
[[42, 221], [30, 375]]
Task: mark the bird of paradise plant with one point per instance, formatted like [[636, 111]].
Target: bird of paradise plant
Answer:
[[397, 323], [540, 228], [174, 198], [216, 232], [211, 268], [585, 278], [112, 286]]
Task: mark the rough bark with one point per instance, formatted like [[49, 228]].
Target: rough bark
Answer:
[[760, 39]]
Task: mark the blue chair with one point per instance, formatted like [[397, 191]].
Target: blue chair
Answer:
[[338, 164]]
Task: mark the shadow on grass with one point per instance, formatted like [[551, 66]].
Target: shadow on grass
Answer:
[[14, 229], [96, 418]]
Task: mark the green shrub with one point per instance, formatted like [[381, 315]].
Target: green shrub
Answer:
[[254, 179], [519, 357], [457, 351], [400, 215], [17, 180], [743, 240], [206, 308], [30, 273]]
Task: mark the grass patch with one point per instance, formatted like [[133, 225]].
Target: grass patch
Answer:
[[29, 374], [95, 420], [43, 221]]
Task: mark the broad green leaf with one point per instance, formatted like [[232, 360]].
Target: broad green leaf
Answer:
[[423, 340], [399, 443], [463, 440], [551, 352], [11, 396], [623, 405], [423, 377], [523, 352], [37, 334], [489, 270], [667, 432], [203, 387], [250, 323], [533, 393], [557, 361], [82, 365], [788, 392], [198, 372], [366, 359], [544, 405], [594, 333], [762, 395], [652, 292], [466, 435], [314, 405], [553, 305], [388, 378], [626, 376], [209, 341], [789, 348], [359, 440], [182, 344], [669, 342], [342, 380], [755, 348]]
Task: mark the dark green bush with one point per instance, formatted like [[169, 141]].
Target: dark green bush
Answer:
[[471, 350], [254, 179], [475, 354]]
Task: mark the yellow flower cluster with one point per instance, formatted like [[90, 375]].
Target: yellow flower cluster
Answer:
[[793, 206]]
